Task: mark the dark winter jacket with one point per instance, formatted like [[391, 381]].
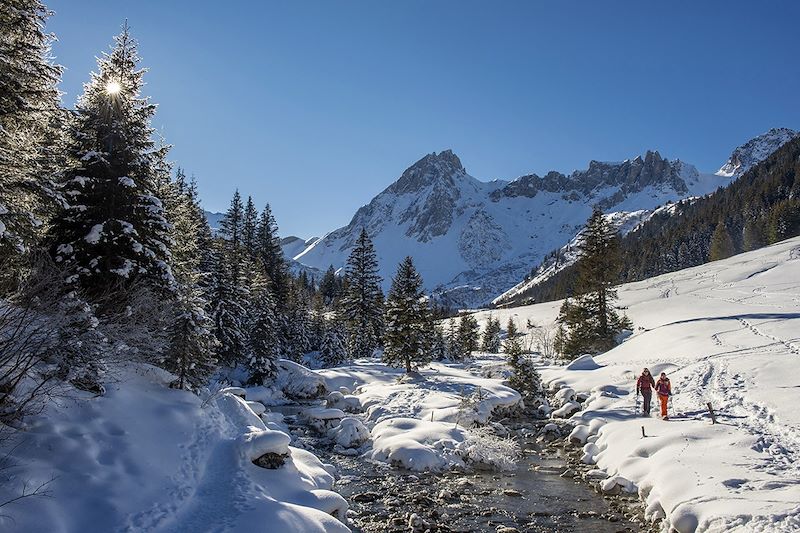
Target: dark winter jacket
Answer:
[[663, 387], [644, 383]]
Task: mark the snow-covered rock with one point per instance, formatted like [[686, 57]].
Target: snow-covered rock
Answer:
[[754, 151], [323, 419], [350, 433], [298, 382], [348, 403]]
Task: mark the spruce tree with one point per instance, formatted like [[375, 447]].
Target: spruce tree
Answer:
[[440, 348], [524, 377], [113, 231], [190, 354], [406, 338], [31, 141], [333, 351], [328, 286], [467, 337], [753, 236], [591, 318], [362, 304], [490, 341], [264, 342], [249, 228], [721, 246], [227, 299], [512, 343], [270, 254]]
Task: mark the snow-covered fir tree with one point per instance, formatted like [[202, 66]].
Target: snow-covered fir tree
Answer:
[[512, 344], [113, 231], [333, 351], [362, 304], [249, 228], [297, 324], [466, 338], [31, 141], [190, 355], [591, 318], [524, 377], [329, 287], [270, 254], [264, 338], [440, 347], [406, 337], [227, 300], [490, 342]]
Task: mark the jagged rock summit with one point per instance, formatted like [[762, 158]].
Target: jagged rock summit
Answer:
[[472, 240]]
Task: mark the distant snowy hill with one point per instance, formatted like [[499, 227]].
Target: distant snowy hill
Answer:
[[754, 151], [473, 240]]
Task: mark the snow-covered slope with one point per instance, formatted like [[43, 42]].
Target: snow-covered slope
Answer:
[[472, 240], [568, 254], [144, 457], [754, 151], [728, 333], [293, 246]]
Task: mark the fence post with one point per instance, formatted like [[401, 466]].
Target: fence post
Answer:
[[711, 412]]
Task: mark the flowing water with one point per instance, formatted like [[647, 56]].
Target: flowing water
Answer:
[[532, 498]]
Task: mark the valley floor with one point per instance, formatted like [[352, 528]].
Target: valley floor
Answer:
[[727, 333]]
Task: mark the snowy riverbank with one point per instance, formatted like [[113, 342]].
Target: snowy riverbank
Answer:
[[144, 457], [727, 333]]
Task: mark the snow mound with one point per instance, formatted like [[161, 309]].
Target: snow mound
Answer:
[[350, 433], [584, 362], [298, 382], [258, 442]]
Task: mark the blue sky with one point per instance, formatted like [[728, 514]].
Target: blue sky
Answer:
[[317, 106]]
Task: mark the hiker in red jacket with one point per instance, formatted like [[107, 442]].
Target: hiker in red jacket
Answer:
[[645, 385], [664, 390]]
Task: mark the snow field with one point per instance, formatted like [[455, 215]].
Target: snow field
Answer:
[[424, 423], [728, 333], [144, 457]]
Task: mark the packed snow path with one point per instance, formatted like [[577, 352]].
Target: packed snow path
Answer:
[[727, 333]]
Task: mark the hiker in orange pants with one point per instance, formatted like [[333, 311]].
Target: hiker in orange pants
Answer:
[[664, 390]]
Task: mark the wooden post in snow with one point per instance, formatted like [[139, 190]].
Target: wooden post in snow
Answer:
[[711, 412], [643, 435]]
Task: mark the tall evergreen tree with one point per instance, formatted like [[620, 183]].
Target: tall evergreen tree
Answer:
[[249, 228], [114, 230], [333, 351], [362, 304], [329, 286], [721, 246], [467, 337], [264, 338], [440, 347], [512, 343], [227, 300], [31, 141], [490, 342], [190, 354], [753, 236], [591, 318], [270, 253], [407, 341]]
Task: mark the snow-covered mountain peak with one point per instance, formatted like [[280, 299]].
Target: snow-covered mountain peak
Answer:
[[442, 168], [754, 151]]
